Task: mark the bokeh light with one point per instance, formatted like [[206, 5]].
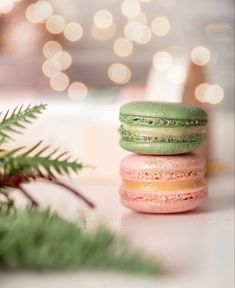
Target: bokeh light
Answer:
[[200, 92], [42, 10], [62, 60], [131, 8], [29, 14], [55, 24], [146, 35], [119, 73], [160, 26], [49, 69], [176, 74], [103, 34], [6, 6], [200, 55], [137, 32], [162, 60], [77, 91], [39, 11], [73, 31], [50, 48], [103, 19], [212, 94], [133, 30], [123, 47], [59, 81]]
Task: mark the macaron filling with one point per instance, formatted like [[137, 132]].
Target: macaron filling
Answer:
[[160, 122], [161, 131], [153, 187], [139, 135]]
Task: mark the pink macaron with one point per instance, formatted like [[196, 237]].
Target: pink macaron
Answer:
[[163, 184]]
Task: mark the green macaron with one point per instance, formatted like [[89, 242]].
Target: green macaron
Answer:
[[160, 128]]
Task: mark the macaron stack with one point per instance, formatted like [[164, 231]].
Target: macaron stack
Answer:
[[166, 176]]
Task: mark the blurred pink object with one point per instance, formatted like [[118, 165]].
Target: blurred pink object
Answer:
[[196, 76], [132, 93], [18, 35]]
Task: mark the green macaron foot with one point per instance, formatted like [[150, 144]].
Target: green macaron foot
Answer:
[[159, 148]]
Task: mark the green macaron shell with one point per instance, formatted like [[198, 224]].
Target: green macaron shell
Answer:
[[159, 148], [161, 115]]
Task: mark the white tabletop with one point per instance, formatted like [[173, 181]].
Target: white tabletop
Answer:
[[195, 248]]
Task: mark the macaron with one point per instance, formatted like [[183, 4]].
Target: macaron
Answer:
[[163, 184], [159, 128]]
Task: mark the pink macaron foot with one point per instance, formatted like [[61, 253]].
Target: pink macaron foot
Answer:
[[173, 202]]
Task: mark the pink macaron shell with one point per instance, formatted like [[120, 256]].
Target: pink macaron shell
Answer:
[[164, 202], [146, 168]]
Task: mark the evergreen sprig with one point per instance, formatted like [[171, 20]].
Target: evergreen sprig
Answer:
[[38, 161], [31, 239], [39, 240], [23, 165], [15, 120]]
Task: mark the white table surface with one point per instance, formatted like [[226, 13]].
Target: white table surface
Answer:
[[196, 248]]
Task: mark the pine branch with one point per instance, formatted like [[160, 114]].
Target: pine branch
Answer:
[[71, 189], [28, 196], [14, 122], [33, 162], [41, 240], [16, 181], [22, 165]]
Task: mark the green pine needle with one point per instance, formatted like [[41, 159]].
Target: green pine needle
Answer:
[[23, 165], [38, 240], [14, 122], [37, 161]]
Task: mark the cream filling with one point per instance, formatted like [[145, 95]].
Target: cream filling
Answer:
[[163, 186], [165, 132]]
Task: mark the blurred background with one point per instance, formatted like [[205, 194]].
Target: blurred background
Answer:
[[86, 59]]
